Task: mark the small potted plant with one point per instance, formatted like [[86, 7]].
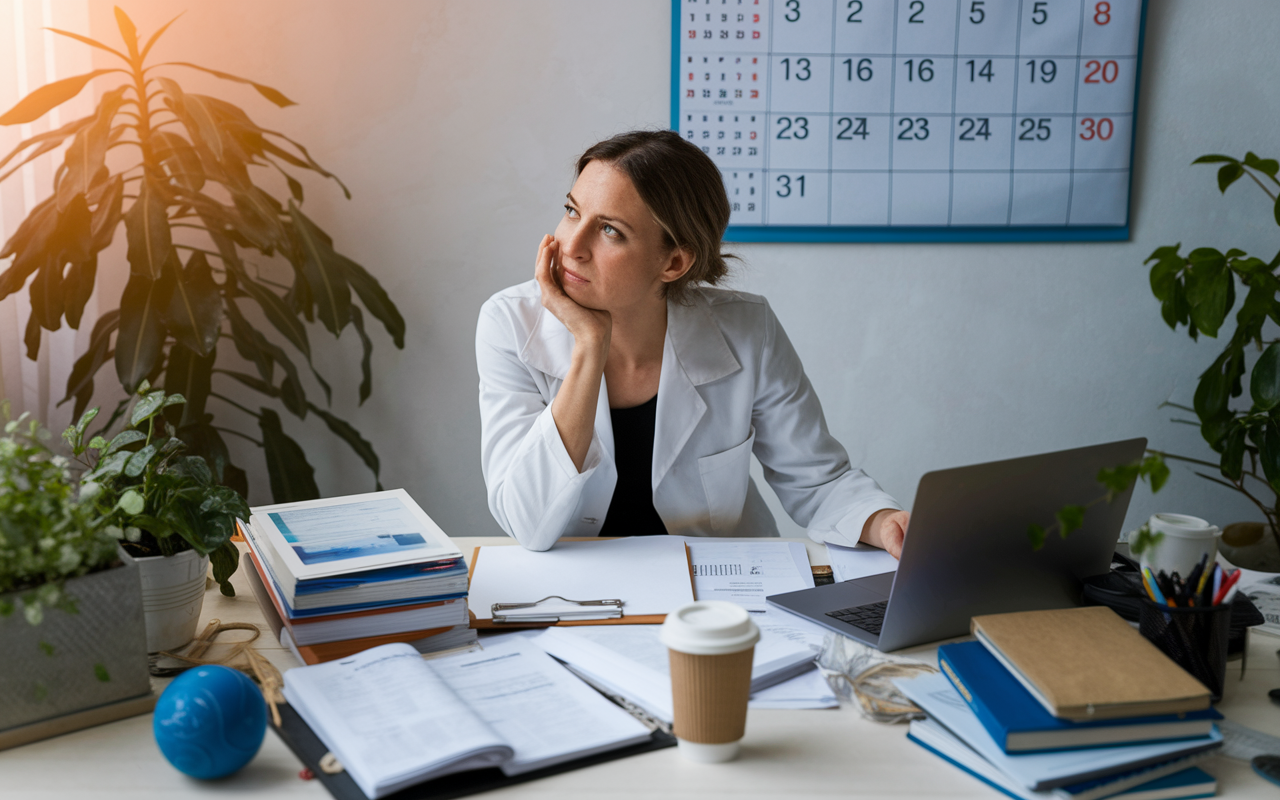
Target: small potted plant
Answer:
[[173, 517], [70, 611]]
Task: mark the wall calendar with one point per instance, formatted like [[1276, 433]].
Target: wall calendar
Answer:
[[913, 120]]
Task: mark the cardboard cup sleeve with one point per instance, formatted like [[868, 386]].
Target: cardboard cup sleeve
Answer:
[[710, 695]]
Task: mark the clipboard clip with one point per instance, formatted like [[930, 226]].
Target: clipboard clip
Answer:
[[609, 609]]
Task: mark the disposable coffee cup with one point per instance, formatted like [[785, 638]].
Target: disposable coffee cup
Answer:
[[710, 645]]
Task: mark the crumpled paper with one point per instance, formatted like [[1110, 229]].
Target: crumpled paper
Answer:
[[862, 677]]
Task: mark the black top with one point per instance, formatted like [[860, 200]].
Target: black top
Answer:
[[631, 511]]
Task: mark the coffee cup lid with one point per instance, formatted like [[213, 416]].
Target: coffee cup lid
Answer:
[[709, 628]]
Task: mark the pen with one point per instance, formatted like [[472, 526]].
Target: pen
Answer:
[[1156, 594], [1204, 574], [1165, 584], [1146, 585], [1194, 579], [1217, 582], [1226, 587]]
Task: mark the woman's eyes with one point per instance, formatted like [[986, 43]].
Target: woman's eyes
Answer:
[[609, 230], [570, 212]]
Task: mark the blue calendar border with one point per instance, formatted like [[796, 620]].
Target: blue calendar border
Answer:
[[932, 234]]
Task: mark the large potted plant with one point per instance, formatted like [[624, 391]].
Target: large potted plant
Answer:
[[186, 178], [174, 519], [70, 612], [1199, 290]]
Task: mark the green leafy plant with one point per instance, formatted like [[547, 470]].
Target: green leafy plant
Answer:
[[181, 178], [156, 497], [47, 535], [1199, 291]]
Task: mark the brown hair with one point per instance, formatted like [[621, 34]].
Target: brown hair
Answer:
[[683, 190]]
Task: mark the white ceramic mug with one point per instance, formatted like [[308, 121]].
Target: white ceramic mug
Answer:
[[1185, 541]]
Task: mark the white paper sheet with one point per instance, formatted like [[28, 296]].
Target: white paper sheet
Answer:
[[650, 574], [631, 661], [747, 572], [848, 563], [536, 705], [807, 690]]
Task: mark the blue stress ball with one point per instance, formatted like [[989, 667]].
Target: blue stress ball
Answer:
[[210, 722]]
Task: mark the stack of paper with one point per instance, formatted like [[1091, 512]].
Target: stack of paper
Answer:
[[337, 576]]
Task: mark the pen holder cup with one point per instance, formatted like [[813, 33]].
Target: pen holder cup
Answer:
[[1195, 638]]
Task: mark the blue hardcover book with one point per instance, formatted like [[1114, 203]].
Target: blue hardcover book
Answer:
[[1020, 724]]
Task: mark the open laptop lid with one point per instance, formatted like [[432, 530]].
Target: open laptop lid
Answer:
[[967, 551]]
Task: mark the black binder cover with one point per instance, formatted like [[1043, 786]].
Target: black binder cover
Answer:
[[309, 749]]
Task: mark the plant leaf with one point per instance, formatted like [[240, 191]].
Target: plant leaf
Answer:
[[155, 37], [147, 407], [107, 214], [292, 477], [352, 437], [194, 314], [49, 140], [49, 96], [273, 95], [87, 153], [366, 367], [190, 375], [34, 243], [1264, 381], [277, 312], [1232, 463], [123, 439], [323, 270], [1070, 518], [80, 381], [1228, 175], [224, 561], [46, 295], [375, 299], [150, 240], [179, 159], [141, 336], [1036, 534], [129, 32], [1213, 159], [250, 344], [78, 287]]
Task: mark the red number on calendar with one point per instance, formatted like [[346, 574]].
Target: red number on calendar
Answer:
[[1101, 128], [1102, 13], [1108, 71]]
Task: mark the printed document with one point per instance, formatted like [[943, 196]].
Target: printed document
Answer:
[[848, 563], [747, 572]]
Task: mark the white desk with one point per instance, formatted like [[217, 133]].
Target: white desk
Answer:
[[786, 754]]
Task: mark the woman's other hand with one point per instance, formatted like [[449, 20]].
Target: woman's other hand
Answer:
[[589, 327], [886, 529]]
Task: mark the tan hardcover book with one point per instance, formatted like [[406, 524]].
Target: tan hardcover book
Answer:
[[1088, 664]]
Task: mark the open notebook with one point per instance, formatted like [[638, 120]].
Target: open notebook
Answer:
[[395, 720]]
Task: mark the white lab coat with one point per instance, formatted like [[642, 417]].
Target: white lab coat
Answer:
[[731, 385]]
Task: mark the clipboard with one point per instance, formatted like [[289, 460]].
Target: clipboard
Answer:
[[622, 619], [299, 738]]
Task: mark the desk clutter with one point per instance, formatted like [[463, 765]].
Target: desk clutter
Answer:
[[1072, 703], [424, 679]]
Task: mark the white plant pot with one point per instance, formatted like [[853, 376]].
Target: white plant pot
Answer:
[[172, 594]]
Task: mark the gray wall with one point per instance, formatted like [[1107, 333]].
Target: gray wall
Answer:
[[456, 123]]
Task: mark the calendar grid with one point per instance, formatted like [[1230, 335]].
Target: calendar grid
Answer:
[[1013, 119], [824, 133], [955, 81], [1075, 108]]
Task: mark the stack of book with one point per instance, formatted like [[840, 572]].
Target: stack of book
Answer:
[[341, 575], [1072, 704]]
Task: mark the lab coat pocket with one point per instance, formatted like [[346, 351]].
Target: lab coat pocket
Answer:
[[725, 478]]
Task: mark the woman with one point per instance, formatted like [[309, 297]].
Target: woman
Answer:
[[620, 395]]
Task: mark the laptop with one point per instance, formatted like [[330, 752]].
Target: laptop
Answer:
[[967, 551]]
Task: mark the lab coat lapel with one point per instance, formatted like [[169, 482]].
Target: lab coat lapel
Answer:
[[549, 349], [694, 352]]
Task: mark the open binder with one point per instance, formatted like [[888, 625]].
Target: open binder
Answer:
[[295, 733]]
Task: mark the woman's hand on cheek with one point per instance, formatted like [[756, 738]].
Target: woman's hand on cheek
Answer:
[[588, 326]]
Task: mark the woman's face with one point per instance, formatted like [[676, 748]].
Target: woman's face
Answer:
[[612, 251]]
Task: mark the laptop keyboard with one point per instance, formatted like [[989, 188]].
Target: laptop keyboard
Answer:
[[869, 617]]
